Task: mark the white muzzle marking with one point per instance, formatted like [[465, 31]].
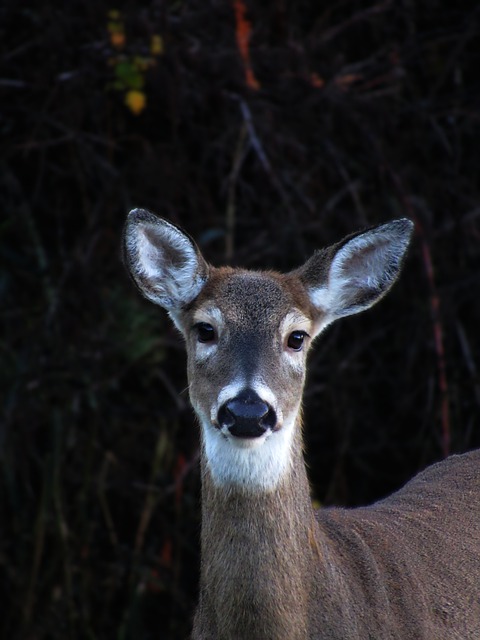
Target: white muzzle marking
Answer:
[[253, 464]]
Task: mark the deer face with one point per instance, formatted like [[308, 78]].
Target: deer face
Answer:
[[247, 334]]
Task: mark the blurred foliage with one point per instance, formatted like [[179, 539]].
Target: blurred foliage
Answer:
[[129, 69], [266, 130]]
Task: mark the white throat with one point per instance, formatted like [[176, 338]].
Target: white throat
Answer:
[[255, 466]]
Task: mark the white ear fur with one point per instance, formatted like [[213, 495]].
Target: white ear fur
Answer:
[[362, 270], [164, 262]]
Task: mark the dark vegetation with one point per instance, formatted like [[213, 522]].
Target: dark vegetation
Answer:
[[269, 129]]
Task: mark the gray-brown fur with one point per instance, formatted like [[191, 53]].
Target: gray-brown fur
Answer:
[[256, 562], [405, 568]]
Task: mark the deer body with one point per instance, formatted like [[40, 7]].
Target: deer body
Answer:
[[407, 567]]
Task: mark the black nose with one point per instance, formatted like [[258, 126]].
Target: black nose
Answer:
[[246, 415]]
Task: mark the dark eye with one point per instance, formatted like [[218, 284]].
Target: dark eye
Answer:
[[295, 340], [205, 332]]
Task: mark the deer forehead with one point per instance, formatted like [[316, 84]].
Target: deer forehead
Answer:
[[253, 301]]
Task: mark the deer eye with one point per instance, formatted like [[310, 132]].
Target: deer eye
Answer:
[[295, 340], [205, 332]]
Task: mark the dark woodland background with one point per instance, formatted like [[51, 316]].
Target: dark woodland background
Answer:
[[266, 129]]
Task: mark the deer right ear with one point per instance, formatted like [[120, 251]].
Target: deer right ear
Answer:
[[164, 262], [358, 271]]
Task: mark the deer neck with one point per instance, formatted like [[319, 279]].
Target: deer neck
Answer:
[[257, 552]]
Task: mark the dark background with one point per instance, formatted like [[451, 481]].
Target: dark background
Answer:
[[270, 129]]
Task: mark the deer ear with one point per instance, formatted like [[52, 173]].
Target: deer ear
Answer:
[[164, 262], [355, 273]]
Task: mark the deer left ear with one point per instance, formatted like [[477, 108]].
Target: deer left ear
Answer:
[[354, 274], [164, 262]]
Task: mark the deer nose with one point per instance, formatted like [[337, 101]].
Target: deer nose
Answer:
[[247, 415]]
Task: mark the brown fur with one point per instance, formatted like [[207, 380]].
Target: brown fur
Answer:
[[405, 568], [255, 559]]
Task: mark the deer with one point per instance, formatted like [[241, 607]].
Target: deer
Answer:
[[272, 568]]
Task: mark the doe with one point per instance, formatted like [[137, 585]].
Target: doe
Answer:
[[405, 568]]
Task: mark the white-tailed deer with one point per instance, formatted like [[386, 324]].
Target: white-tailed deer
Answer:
[[407, 567]]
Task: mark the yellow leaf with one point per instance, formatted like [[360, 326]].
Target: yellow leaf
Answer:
[[156, 45], [136, 101]]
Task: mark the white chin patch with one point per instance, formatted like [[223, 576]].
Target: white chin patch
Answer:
[[253, 464], [246, 443]]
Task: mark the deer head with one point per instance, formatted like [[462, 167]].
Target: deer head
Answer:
[[247, 334]]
